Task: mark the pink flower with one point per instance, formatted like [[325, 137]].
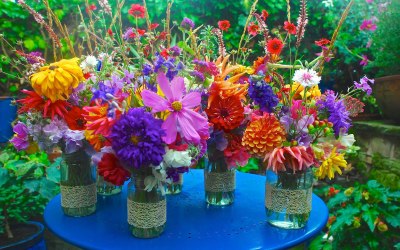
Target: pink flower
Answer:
[[182, 118], [295, 158], [369, 1], [368, 25], [364, 61]]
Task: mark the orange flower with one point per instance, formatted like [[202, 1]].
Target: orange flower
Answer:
[[97, 119], [97, 141], [226, 114], [295, 158], [263, 134]]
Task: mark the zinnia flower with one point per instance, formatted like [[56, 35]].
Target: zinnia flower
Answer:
[[98, 141], [20, 139], [274, 46], [306, 77], [137, 139], [190, 123], [289, 27], [331, 165], [111, 169], [224, 25], [226, 114], [368, 25], [263, 134], [296, 158], [57, 80], [137, 11], [253, 29]]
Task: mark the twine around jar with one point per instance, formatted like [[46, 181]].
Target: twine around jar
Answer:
[[220, 182], [146, 214], [294, 201], [78, 196]]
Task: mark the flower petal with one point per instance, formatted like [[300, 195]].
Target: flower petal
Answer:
[[164, 85], [191, 100], [186, 123], [156, 102], [170, 128], [178, 88]]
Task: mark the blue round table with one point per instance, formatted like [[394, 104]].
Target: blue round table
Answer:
[[191, 223]]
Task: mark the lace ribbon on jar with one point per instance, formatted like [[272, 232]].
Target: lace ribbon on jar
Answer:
[[146, 214], [78, 196], [294, 201], [220, 182]]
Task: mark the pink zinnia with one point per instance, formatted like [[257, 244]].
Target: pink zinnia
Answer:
[[296, 158], [191, 124], [364, 61], [368, 25]]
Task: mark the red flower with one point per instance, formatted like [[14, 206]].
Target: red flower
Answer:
[[253, 29], [141, 32], [264, 15], [332, 191], [111, 169], [87, 75], [275, 46], [137, 11], [58, 107], [289, 27], [164, 53], [227, 113], [224, 25], [31, 101], [163, 35], [74, 118], [178, 145], [110, 33], [154, 26], [322, 42], [235, 154], [91, 8]]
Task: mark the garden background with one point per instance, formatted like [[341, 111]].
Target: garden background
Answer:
[[361, 207]]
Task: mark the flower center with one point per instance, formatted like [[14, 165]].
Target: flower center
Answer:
[[307, 76], [176, 105], [224, 113], [135, 139], [53, 67]]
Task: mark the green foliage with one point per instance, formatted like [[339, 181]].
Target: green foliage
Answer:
[[365, 216], [27, 183], [386, 171], [252, 165]]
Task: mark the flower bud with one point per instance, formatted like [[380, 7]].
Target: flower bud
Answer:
[[356, 222], [349, 191], [382, 226]]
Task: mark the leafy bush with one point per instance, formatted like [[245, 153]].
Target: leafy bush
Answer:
[[27, 183], [365, 216]]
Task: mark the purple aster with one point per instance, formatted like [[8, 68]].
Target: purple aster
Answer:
[[364, 84], [20, 139], [176, 51], [147, 69], [137, 139], [263, 95], [337, 112], [73, 140], [187, 24], [173, 173], [304, 139], [198, 76]]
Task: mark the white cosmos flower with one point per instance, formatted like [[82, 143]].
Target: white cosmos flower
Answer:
[[177, 159], [306, 77]]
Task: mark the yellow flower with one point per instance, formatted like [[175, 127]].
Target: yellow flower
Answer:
[[331, 165], [298, 91], [57, 80]]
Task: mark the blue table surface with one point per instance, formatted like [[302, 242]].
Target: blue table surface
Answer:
[[191, 223]]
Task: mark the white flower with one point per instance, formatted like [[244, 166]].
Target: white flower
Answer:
[[177, 159], [89, 64], [347, 140], [306, 77]]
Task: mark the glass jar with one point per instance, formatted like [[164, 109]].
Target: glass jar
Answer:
[[175, 187], [106, 188], [147, 210], [219, 180], [288, 198], [78, 184]]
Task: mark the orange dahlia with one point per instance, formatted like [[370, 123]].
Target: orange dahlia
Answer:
[[263, 134], [225, 114]]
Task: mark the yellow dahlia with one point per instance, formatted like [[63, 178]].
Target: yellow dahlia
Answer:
[[331, 165], [57, 80], [263, 134], [298, 91]]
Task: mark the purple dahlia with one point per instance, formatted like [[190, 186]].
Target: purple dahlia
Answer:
[[137, 139]]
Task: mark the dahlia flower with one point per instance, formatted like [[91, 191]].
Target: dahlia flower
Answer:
[[191, 124], [111, 169], [331, 164], [226, 114], [296, 158], [306, 77], [57, 80]]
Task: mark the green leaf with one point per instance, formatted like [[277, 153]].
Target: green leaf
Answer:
[[23, 168], [338, 199], [185, 47], [369, 216], [29, 44], [397, 246], [38, 172], [48, 189], [53, 171], [346, 217], [32, 185], [4, 177], [4, 157]]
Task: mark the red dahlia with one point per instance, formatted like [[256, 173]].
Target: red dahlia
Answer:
[[74, 118], [31, 101], [137, 11], [226, 114], [289, 27], [111, 169], [275, 46], [224, 25]]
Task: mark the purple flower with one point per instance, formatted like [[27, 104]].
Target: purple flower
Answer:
[[364, 84], [128, 76], [336, 110], [129, 33], [173, 173], [198, 76], [137, 139], [102, 91], [73, 140], [115, 82], [187, 24], [364, 61], [20, 139], [368, 25], [263, 95], [147, 69], [34, 57], [55, 130], [176, 51]]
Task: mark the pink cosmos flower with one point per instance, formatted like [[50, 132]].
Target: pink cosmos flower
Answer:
[[296, 158], [368, 25], [182, 118], [364, 61]]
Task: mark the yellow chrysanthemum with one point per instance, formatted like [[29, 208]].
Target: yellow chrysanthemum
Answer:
[[331, 165], [298, 91], [57, 80]]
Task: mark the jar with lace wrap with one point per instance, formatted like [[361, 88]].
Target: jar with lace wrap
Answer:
[[175, 187], [78, 184], [219, 180], [288, 198], [147, 207], [106, 188]]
